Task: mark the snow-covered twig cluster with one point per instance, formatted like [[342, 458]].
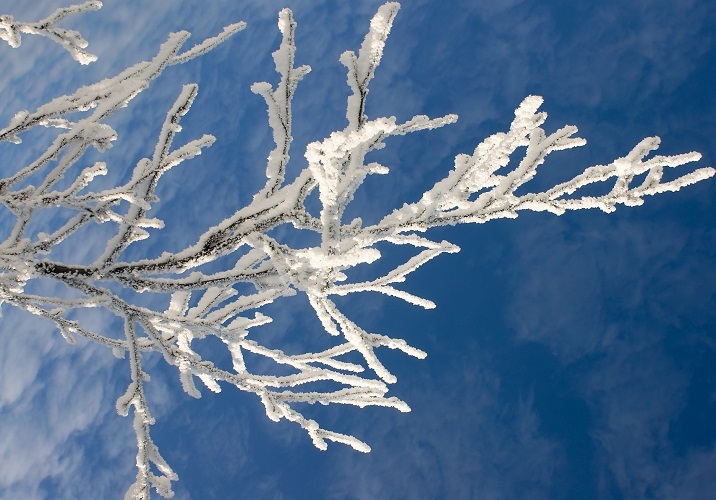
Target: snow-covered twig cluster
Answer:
[[199, 303], [71, 40]]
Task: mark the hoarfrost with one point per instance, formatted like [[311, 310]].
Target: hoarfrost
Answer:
[[479, 188]]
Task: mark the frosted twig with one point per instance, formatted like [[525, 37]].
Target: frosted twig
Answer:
[[251, 265], [70, 40]]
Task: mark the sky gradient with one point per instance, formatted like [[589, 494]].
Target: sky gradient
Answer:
[[568, 357]]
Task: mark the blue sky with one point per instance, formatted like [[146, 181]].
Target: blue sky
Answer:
[[568, 357]]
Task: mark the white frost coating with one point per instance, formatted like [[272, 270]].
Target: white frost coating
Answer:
[[279, 102], [198, 303], [70, 40], [209, 44], [362, 68]]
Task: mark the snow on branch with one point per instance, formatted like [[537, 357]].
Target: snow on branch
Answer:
[[279, 102], [361, 68], [478, 190], [482, 186], [70, 40]]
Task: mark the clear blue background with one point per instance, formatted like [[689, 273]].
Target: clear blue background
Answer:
[[570, 357]]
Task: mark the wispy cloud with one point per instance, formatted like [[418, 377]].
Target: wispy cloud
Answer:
[[57, 415]]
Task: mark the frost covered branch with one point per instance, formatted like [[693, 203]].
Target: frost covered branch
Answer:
[[199, 303], [71, 40]]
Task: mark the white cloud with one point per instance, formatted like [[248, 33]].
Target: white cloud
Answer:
[[472, 444], [57, 413]]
